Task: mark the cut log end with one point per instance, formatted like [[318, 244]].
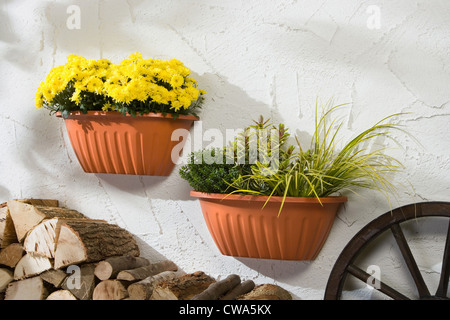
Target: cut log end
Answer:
[[11, 255], [110, 290], [28, 289], [30, 266], [61, 295], [71, 249], [42, 238], [110, 267]]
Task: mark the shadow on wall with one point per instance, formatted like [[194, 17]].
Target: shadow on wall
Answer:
[[5, 32], [148, 252], [4, 193], [90, 27], [226, 107], [271, 268]]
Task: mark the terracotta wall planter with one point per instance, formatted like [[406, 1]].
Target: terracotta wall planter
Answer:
[[109, 142], [241, 228]]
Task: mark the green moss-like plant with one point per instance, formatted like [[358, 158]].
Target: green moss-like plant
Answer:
[[208, 177]]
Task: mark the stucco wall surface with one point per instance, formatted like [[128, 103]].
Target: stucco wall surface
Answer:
[[271, 58]]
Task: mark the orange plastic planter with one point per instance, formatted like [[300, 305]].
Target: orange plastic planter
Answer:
[[241, 228], [109, 142]]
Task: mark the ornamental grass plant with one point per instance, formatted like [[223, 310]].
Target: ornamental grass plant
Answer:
[[134, 86], [326, 167]]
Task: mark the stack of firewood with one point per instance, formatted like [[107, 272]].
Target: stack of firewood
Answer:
[[54, 253]]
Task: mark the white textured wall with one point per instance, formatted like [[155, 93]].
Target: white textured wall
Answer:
[[252, 57]]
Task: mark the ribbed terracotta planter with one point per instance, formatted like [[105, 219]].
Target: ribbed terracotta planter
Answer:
[[109, 142], [241, 228]]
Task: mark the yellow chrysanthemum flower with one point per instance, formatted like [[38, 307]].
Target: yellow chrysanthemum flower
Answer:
[[94, 85], [39, 100], [176, 81], [76, 97], [176, 105]]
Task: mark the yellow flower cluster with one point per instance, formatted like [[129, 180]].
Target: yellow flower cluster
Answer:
[[164, 82]]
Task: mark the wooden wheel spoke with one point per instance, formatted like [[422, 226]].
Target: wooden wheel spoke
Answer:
[[391, 222], [410, 261], [445, 271], [384, 288]]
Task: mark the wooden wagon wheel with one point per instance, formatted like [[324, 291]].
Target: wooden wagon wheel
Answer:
[[345, 264]]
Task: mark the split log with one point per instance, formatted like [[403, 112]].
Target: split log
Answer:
[[81, 281], [111, 290], [91, 241], [11, 255], [242, 288], [182, 288], [6, 276], [111, 267], [7, 230], [28, 289], [267, 292], [147, 271], [217, 289], [61, 295], [143, 290], [42, 238], [54, 277], [26, 216], [30, 266]]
